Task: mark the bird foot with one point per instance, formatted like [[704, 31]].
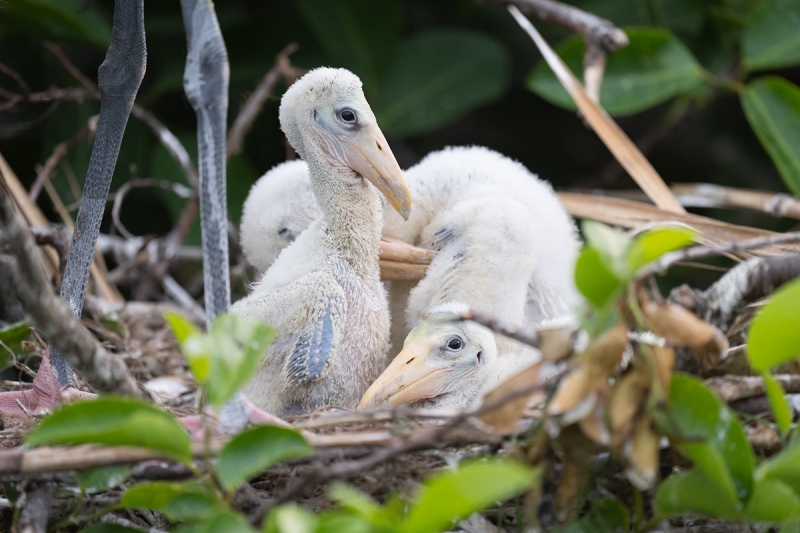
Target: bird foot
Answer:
[[40, 400], [252, 415]]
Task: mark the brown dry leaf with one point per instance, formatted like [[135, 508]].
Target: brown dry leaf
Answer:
[[627, 399], [631, 214], [556, 343], [594, 425], [505, 418], [642, 455], [576, 452], [577, 392], [664, 358], [680, 327]]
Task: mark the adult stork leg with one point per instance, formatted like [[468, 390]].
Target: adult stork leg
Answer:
[[205, 81], [118, 80]]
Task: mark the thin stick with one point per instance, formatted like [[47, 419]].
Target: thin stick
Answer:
[[702, 252], [59, 152], [252, 107]]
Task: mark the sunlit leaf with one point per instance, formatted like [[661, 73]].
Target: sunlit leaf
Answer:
[[360, 35], [712, 436], [354, 500], [238, 345], [771, 39], [424, 91], [593, 277], [772, 501], [194, 345], [777, 400], [694, 492], [653, 68], [178, 501], [290, 518], [101, 479], [256, 449], [772, 107], [611, 242], [455, 495], [114, 422], [774, 336], [651, 245]]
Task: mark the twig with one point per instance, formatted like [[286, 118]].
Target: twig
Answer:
[[600, 35], [169, 141], [732, 388], [56, 236], [16, 76], [710, 195], [173, 289], [59, 152], [36, 508], [701, 252], [525, 336], [119, 196], [745, 283], [252, 107], [595, 30], [53, 316], [114, 519]]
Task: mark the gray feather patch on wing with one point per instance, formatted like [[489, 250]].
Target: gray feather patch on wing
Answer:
[[310, 355]]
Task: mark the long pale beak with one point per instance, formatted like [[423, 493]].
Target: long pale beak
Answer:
[[369, 154], [407, 379]]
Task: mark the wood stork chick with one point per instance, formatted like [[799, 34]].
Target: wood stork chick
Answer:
[[508, 248], [323, 294]]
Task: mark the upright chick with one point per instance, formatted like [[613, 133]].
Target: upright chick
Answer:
[[323, 294]]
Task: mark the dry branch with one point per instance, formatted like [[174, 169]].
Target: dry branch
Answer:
[[53, 316], [630, 214], [59, 152], [710, 195], [733, 388], [251, 109]]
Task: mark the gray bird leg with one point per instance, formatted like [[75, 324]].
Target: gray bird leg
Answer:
[[119, 77], [118, 80], [205, 81]]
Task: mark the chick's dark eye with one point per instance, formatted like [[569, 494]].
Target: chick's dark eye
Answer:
[[455, 343], [348, 115]]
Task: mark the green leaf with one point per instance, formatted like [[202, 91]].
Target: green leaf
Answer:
[[238, 345], [290, 518], [722, 451], [60, 19], [178, 501], [606, 516], [354, 500], [612, 243], [11, 492], [114, 421], [774, 336], [11, 338], [425, 91], [651, 245], [653, 68], [771, 39], [451, 496], [253, 451], [777, 400], [339, 521], [222, 521], [772, 501], [791, 526], [101, 479], [194, 345], [109, 528], [784, 467], [772, 107], [360, 35], [694, 492], [594, 278]]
